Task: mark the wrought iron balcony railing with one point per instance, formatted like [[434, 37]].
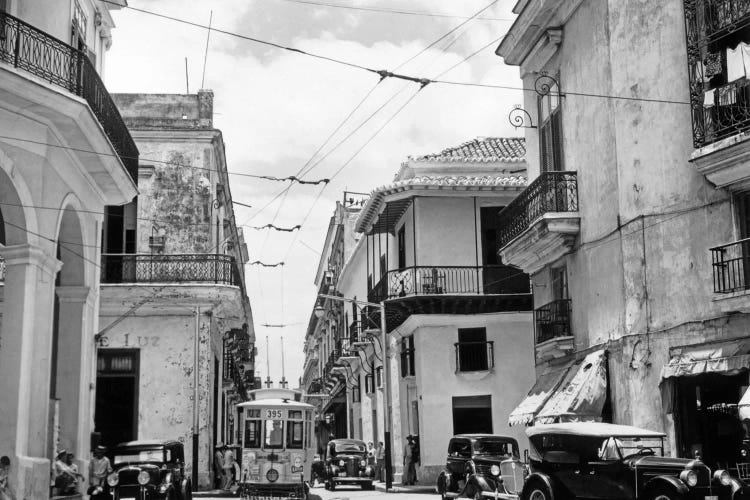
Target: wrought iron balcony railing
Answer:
[[552, 320], [550, 192], [720, 17], [724, 112], [474, 356], [449, 280], [29, 49], [731, 265], [179, 268]]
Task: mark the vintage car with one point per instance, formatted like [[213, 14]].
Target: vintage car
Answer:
[[482, 465], [149, 469], [346, 463], [598, 460]]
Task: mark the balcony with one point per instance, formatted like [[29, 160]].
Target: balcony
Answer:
[[448, 290], [722, 17], [474, 356], [731, 275], [179, 268], [554, 337], [33, 51], [542, 223]]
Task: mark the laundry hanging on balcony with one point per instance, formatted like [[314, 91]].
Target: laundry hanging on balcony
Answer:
[[728, 357], [582, 394], [543, 389]]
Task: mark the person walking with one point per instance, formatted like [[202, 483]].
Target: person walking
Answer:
[[219, 466], [228, 465], [380, 461], [99, 469], [409, 472]]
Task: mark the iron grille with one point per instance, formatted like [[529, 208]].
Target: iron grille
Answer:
[[178, 268], [474, 356], [731, 265], [453, 280], [720, 108], [27, 48], [552, 320], [550, 192]]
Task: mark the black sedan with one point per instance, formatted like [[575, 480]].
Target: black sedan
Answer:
[[149, 470]]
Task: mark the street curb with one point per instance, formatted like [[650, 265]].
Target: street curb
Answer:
[[405, 489]]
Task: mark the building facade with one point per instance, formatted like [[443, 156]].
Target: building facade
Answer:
[[633, 226], [176, 348], [65, 155], [458, 321]]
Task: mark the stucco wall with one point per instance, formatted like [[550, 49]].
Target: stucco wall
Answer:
[[436, 381]]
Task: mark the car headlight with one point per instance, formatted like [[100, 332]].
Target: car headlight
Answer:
[[689, 477], [723, 477], [143, 477], [363, 463], [272, 475], [113, 479], [341, 463], [743, 452], [495, 470]]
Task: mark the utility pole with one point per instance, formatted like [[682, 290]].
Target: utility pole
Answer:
[[387, 409], [268, 367]]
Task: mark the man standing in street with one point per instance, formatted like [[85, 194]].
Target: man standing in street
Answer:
[[218, 466], [99, 469], [409, 472], [380, 462]]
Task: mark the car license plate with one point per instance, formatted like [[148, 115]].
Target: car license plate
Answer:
[[342, 474], [127, 498], [712, 497]]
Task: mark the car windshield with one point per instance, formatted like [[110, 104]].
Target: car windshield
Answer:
[[135, 456], [349, 448], [495, 447], [621, 447]]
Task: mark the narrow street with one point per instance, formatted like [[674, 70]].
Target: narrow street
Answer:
[[355, 493]]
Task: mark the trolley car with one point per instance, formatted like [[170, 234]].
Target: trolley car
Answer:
[[277, 445]]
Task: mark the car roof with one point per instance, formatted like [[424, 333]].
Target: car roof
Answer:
[[346, 441], [596, 429], [148, 442], [484, 436]]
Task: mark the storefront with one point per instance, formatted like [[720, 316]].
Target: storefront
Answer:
[[702, 387]]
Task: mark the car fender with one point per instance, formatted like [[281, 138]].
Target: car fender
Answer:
[[480, 483], [543, 478], [184, 487], [664, 482], [443, 480]]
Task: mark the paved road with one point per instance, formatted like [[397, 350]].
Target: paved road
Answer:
[[355, 493]]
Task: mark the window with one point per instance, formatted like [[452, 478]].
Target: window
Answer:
[[407, 357], [473, 352], [252, 434], [294, 429], [379, 377], [383, 265], [274, 434], [356, 393], [559, 282], [472, 414], [402, 247], [459, 448], [369, 387], [550, 131]]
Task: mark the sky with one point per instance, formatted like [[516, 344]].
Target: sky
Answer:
[[276, 108]]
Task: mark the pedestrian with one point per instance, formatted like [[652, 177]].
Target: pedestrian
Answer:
[[66, 474], [228, 465], [219, 466], [380, 461], [370, 455], [99, 469], [409, 472], [6, 492]]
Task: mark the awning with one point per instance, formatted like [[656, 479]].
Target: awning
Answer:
[[728, 357], [544, 387], [582, 394], [743, 406]]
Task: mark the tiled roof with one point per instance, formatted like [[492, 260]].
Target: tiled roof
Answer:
[[483, 149]]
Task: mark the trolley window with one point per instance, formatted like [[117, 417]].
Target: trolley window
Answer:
[[294, 430], [274, 437], [252, 433]]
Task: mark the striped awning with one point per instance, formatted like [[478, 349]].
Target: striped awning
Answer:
[[545, 386], [582, 394], [728, 357]]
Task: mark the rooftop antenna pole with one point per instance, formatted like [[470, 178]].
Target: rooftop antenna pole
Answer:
[[283, 377], [268, 366], [187, 81], [205, 56]]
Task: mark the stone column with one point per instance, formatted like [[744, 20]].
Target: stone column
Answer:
[[25, 351], [75, 355]]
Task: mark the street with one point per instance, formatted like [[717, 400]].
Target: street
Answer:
[[355, 493]]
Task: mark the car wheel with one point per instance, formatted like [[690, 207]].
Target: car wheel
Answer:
[[537, 491], [331, 486], [664, 494]]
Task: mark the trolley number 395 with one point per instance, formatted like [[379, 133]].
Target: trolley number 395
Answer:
[[274, 414]]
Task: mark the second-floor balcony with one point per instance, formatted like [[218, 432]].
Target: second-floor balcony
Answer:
[[554, 337], [30, 50], [474, 356], [448, 290], [217, 269], [541, 224]]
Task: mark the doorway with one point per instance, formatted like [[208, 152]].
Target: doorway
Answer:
[[116, 413]]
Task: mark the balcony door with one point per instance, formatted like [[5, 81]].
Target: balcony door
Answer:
[[472, 350], [496, 277]]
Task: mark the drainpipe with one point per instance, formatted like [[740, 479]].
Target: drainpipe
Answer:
[[196, 419]]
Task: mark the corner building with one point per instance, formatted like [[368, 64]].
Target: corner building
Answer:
[[633, 226]]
